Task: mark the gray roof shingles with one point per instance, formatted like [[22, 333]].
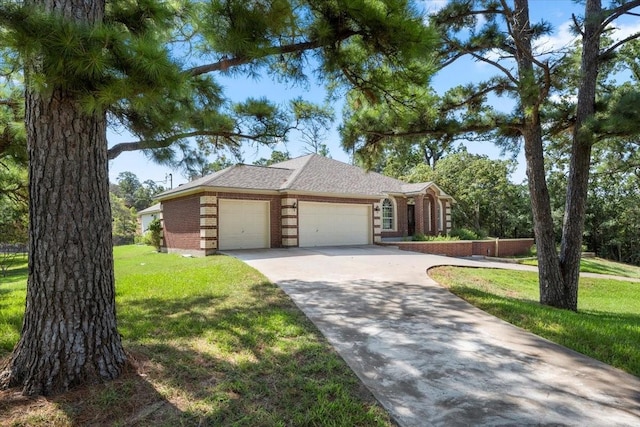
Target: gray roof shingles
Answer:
[[312, 173], [323, 175]]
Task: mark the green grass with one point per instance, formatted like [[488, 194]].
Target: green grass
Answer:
[[606, 326], [212, 343], [601, 266], [12, 297]]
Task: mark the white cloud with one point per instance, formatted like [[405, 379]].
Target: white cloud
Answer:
[[621, 31], [560, 40], [564, 38], [433, 6]]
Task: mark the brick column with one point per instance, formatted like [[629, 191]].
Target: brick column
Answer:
[[163, 246], [434, 216], [419, 213], [208, 224], [289, 215], [377, 222]]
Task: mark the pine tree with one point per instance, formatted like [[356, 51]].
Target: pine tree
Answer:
[[88, 64], [500, 34]]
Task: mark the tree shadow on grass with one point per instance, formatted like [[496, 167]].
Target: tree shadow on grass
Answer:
[[204, 360], [592, 266], [9, 266], [129, 400], [612, 338], [247, 360]]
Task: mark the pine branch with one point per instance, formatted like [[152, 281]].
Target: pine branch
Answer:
[[476, 95], [227, 63], [452, 60], [498, 66], [628, 167], [469, 128], [616, 45], [577, 25], [122, 147], [617, 12]]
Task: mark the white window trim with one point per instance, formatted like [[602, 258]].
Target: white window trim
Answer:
[[394, 217]]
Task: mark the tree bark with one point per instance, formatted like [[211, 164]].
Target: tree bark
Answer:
[[69, 334], [549, 275], [578, 179]]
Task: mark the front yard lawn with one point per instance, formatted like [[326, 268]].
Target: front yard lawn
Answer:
[[211, 342], [606, 327], [601, 266]]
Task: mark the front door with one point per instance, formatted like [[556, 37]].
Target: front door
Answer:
[[411, 219]]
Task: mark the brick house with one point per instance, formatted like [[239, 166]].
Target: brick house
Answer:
[[306, 201]]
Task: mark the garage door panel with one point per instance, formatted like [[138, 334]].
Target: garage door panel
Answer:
[[243, 224], [334, 224]]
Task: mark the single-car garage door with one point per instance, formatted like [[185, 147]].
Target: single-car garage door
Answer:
[[333, 224], [243, 224]]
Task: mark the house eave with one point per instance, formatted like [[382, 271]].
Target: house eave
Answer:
[[206, 188], [332, 195]]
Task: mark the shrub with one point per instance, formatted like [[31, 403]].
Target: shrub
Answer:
[[153, 237], [424, 238], [465, 234]]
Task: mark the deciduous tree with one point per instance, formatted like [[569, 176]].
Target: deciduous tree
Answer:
[[487, 202]]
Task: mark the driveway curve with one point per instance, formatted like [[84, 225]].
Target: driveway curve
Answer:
[[432, 359]]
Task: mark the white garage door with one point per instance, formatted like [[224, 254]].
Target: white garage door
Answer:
[[334, 224], [243, 224]]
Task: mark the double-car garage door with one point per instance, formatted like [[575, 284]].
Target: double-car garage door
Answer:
[[244, 224], [333, 224]]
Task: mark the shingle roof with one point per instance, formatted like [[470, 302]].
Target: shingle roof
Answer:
[[320, 174], [151, 209], [247, 177], [312, 173]]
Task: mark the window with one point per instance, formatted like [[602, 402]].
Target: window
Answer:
[[387, 215]]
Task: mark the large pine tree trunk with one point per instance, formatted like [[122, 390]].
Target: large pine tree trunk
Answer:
[[549, 273], [549, 277], [578, 180], [69, 333]]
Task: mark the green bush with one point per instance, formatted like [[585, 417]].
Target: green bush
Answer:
[[424, 238], [153, 236], [465, 234]]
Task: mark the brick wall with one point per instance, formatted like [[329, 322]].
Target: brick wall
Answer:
[[513, 247], [484, 247], [181, 223], [466, 248]]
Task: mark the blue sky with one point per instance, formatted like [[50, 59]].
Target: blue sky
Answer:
[[557, 12]]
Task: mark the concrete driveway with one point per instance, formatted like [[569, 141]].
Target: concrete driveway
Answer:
[[430, 358]]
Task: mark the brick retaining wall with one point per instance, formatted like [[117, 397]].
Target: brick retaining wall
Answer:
[[466, 248]]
